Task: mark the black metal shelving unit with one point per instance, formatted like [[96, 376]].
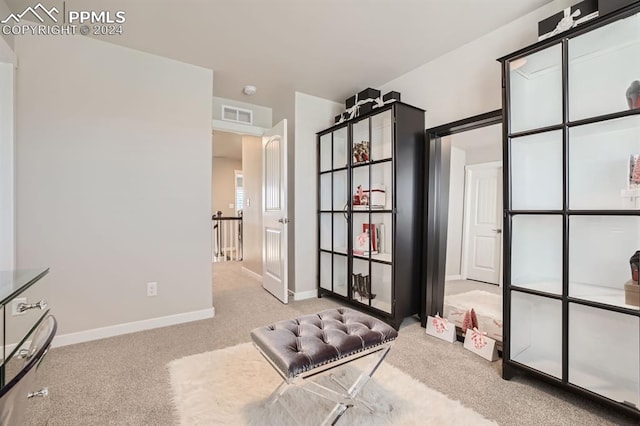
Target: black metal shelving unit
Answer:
[[566, 256], [395, 134]]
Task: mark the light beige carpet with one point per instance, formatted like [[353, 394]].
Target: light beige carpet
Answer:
[[229, 386]]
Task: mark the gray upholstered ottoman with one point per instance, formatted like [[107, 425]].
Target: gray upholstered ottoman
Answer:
[[303, 347]]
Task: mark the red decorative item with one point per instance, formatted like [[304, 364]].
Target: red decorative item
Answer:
[[474, 319]]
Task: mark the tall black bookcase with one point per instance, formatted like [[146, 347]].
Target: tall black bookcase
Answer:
[[370, 177], [572, 217]]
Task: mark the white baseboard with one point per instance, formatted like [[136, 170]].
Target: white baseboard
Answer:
[[453, 277], [131, 327], [252, 274], [303, 295]]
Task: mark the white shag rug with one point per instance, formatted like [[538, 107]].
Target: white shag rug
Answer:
[[229, 387]]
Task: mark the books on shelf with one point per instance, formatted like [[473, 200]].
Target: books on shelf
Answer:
[[370, 241]]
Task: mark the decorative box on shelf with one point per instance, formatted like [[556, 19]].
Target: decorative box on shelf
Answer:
[[374, 197], [567, 19], [608, 6], [395, 96], [362, 96]]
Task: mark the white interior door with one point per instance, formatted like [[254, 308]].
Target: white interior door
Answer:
[[274, 212], [483, 222]]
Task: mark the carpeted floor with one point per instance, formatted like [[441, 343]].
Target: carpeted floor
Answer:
[[124, 380]]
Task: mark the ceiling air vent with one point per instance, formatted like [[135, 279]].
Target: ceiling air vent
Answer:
[[237, 115]]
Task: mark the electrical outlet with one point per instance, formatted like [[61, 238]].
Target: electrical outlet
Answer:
[[14, 306], [152, 289]]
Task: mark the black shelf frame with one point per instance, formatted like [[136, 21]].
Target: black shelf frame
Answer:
[[510, 367], [402, 299]]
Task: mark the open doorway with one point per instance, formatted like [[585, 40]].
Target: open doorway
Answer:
[[227, 198], [464, 223]]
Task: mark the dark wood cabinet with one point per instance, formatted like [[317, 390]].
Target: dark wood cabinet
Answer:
[[370, 177]]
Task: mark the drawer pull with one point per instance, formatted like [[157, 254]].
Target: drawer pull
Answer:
[[41, 393], [26, 306]]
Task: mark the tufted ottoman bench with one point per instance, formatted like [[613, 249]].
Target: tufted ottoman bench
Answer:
[[302, 347]]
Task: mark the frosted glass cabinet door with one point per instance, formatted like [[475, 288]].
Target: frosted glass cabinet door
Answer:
[[536, 172], [381, 136], [340, 233], [536, 252], [604, 352], [326, 191], [536, 90], [599, 252], [325, 270], [602, 65], [381, 286], [340, 149], [340, 191], [361, 142], [536, 332], [340, 276], [325, 152], [600, 157], [325, 231]]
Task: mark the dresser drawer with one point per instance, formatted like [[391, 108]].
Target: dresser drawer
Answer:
[[34, 304], [16, 353]]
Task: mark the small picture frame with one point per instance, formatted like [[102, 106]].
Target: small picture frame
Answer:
[[361, 152]]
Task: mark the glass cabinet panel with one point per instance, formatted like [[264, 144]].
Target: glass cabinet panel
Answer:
[[361, 142], [325, 270], [381, 286], [326, 189], [361, 281], [536, 252], [599, 251], [382, 225], [340, 190], [381, 188], [363, 243], [340, 233], [360, 185], [325, 152], [604, 352], [340, 151], [600, 160], [381, 136], [536, 172], [325, 231], [603, 63], [536, 332], [340, 278], [536, 90]]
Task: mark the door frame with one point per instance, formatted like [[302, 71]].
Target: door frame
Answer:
[[436, 208], [467, 217]]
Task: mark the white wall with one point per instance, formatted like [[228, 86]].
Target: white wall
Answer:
[[252, 212], [223, 185], [113, 180], [486, 154], [312, 115], [4, 12], [455, 226], [467, 81], [7, 178]]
